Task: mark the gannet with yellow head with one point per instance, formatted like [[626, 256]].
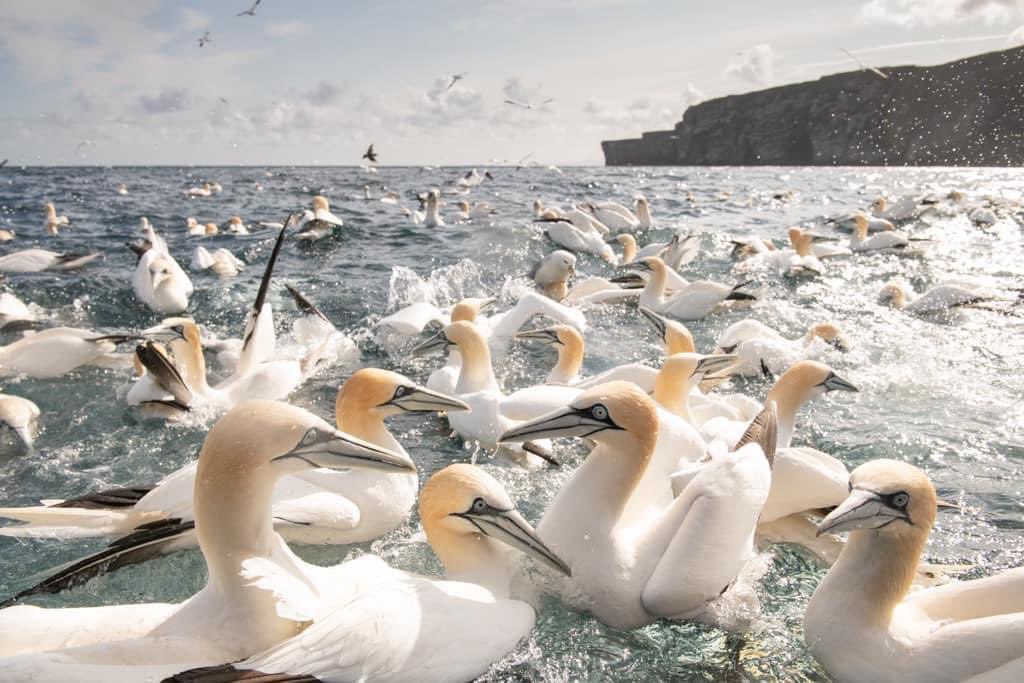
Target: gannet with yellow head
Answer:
[[258, 592], [693, 302], [887, 240], [317, 222], [630, 570], [762, 350], [862, 625], [400, 626], [941, 299], [236, 226], [53, 222]]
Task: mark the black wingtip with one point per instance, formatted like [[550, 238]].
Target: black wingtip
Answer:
[[227, 673], [304, 304], [541, 452]]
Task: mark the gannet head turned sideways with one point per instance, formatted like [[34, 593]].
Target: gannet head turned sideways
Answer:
[[617, 413], [462, 333], [879, 205], [893, 294], [887, 497], [830, 334], [676, 337], [557, 335], [805, 380], [556, 267], [320, 203], [462, 506], [389, 393], [171, 330], [272, 437]]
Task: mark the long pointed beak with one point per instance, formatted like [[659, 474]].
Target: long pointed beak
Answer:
[[161, 333], [861, 510], [713, 363], [546, 335], [836, 383], [435, 343], [163, 372], [508, 526], [656, 320], [333, 449], [560, 423], [487, 303], [423, 400]]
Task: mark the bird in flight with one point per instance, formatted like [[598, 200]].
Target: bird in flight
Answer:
[[224, 100], [251, 11], [528, 105], [455, 79], [864, 67], [370, 155], [3, 163], [204, 39]]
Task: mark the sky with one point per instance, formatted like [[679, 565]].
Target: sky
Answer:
[[315, 81]]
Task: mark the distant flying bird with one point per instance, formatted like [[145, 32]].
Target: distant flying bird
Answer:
[[3, 163], [370, 155], [204, 39], [864, 67], [519, 164], [455, 79], [528, 105], [224, 100], [251, 11]]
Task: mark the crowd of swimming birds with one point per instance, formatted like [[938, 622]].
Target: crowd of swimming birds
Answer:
[[682, 485]]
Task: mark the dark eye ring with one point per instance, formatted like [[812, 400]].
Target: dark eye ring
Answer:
[[599, 412], [399, 392], [478, 505], [310, 436], [900, 499]]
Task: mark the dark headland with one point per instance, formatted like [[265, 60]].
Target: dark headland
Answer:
[[965, 113]]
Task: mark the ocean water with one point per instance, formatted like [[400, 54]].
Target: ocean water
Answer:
[[945, 395]]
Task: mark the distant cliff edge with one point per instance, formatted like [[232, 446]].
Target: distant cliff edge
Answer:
[[964, 113]]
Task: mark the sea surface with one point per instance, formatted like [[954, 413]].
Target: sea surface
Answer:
[[947, 396]]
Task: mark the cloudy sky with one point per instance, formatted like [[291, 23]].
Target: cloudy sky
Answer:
[[314, 81]]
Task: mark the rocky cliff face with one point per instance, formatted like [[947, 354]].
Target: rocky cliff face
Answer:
[[964, 113]]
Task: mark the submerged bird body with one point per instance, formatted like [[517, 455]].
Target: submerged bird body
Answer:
[[762, 350], [693, 302]]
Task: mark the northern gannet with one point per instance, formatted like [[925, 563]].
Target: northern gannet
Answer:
[[20, 416], [400, 626], [221, 261], [122, 189], [477, 386], [205, 190], [6, 235], [36, 260], [53, 222], [763, 351], [479, 210], [632, 570], [317, 222], [194, 227], [569, 345], [431, 217], [629, 248], [13, 310], [886, 241], [552, 273], [804, 381], [643, 213], [57, 351], [695, 301], [210, 229], [901, 211], [613, 215], [236, 226], [849, 223], [159, 281], [446, 377], [258, 592], [321, 507], [939, 299], [861, 624]]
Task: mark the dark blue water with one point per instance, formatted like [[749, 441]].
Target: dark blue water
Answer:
[[947, 397]]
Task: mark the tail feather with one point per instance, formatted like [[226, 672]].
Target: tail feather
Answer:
[[95, 514], [227, 673]]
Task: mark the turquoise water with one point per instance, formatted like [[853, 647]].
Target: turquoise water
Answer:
[[946, 396]]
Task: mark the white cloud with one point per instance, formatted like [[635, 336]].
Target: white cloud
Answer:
[[1017, 37], [285, 28], [166, 101], [911, 13], [756, 65], [193, 20], [324, 93], [692, 95]]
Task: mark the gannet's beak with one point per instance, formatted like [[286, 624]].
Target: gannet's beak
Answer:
[[641, 266], [656, 320], [563, 423], [163, 371], [163, 333], [435, 343], [864, 509], [336, 450], [487, 303], [710, 364], [727, 349], [416, 399], [836, 383], [509, 527], [546, 335]]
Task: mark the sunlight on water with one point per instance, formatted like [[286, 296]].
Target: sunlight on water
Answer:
[[943, 394]]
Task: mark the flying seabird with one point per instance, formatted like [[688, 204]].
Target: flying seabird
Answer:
[[529, 105], [251, 11], [204, 39], [864, 67], [370, 155], [455, 79]]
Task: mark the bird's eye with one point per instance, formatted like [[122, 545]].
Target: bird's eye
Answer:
[[849, 487], [900, 499], [400, 392], [479, 506], [599, 412], [310, 436]]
